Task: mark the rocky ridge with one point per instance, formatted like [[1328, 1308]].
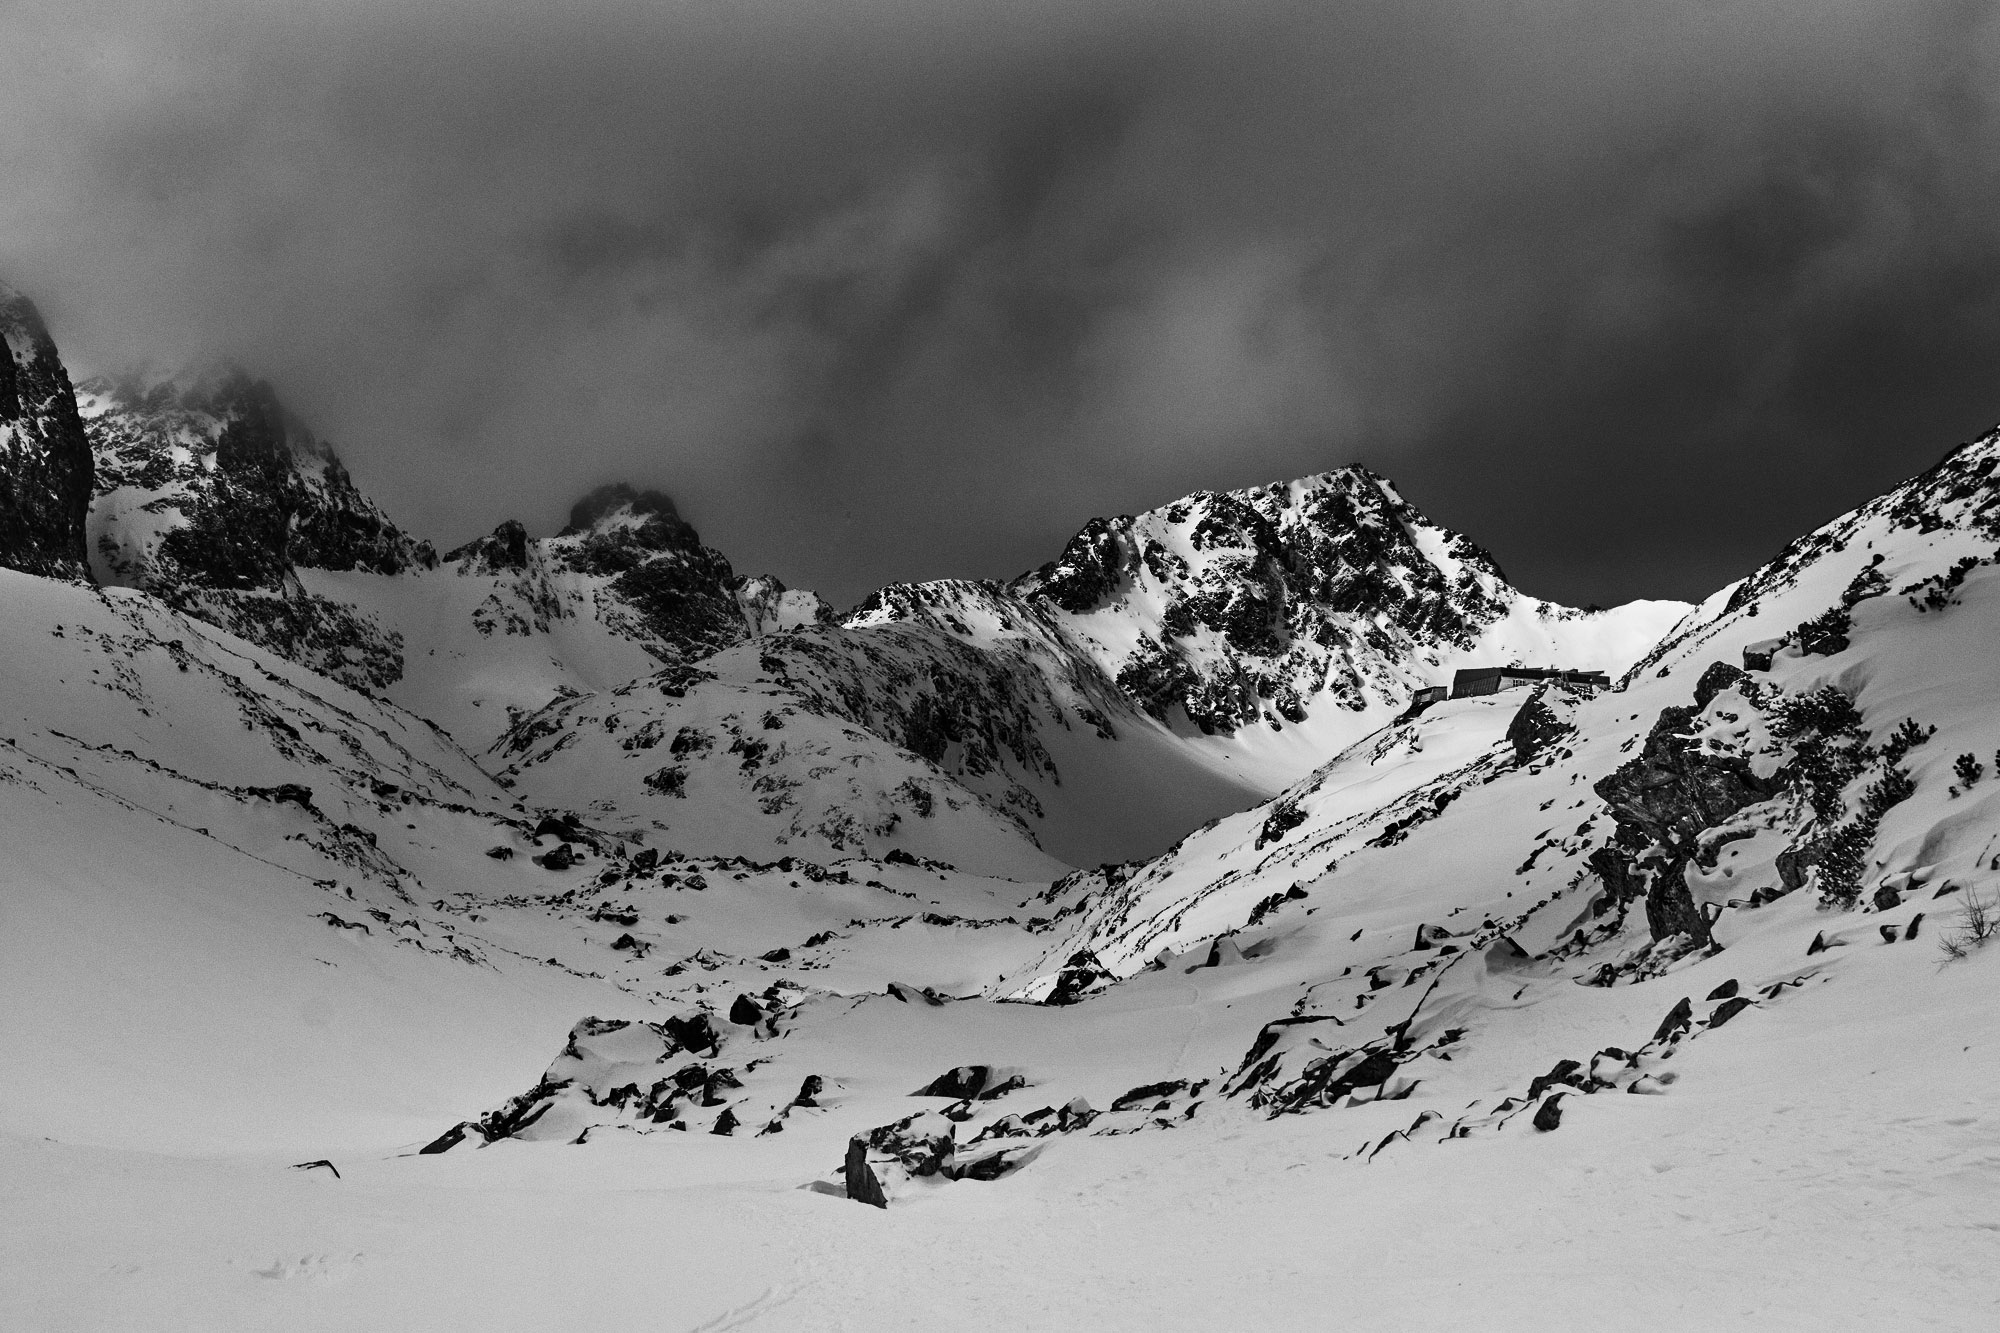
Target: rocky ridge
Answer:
[[45, 459], [212, 496], [1312, 609], [1259, 606]]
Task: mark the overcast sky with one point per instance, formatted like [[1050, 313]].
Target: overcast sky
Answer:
[[1630, 292]]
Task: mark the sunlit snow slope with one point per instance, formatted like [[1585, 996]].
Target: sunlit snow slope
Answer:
[[650, 947]]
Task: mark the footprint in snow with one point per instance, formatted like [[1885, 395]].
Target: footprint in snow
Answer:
[[318, 1266]]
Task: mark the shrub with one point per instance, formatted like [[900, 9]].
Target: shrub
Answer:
[[1284, 817], [1978, 922], [1906, 737], [1842, 857], [1969, 771], [1892, 788], [1825, 634], [1824, 728], [1825, 712]]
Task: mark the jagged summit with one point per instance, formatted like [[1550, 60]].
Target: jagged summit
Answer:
[[1315, 528], [45, 462], [1327, 599], [650, 517], [213, 496], [206, 480]]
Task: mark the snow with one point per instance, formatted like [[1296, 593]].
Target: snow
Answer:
[[252, 919]]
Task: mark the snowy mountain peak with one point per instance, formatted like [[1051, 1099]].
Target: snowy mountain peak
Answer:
[[205, 479], [644, 518], [1225, 609]]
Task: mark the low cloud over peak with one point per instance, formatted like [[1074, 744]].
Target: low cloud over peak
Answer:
[[888, 290]]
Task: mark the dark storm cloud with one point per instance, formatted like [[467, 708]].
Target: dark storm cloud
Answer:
[[882, 289]]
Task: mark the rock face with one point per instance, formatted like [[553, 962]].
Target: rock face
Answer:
[[237, 490], [862, 1186], [678, 590], [214, 497], [506, 549], [678, 597], [211, 496], [1674, 790], [1544, 720], [1248, 606], [45, 461]]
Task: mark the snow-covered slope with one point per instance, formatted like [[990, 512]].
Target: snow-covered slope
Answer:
[[1878, 595], [215, 498], [508, 623], [244, 905], [976, 742], [1167, 669], [1170, 668], [217, 887]]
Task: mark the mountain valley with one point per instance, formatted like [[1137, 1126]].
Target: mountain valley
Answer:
[[568, 928]]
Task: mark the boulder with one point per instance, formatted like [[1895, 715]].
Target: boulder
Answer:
[[693, 1031], [1565, 1071], [862, 1184], [1718, 677], [966, 1082], [1677, 1021], [1148, 1092], [1075, 1114], [1666, 797], [1549, 1114], [1541, 722], [1727, 1010], [451, 1138], [1222, 952]]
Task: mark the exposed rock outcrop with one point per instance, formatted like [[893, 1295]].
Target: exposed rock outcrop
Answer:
[[1271, 597], [45, 459], [211, 495], [1668, 795]]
